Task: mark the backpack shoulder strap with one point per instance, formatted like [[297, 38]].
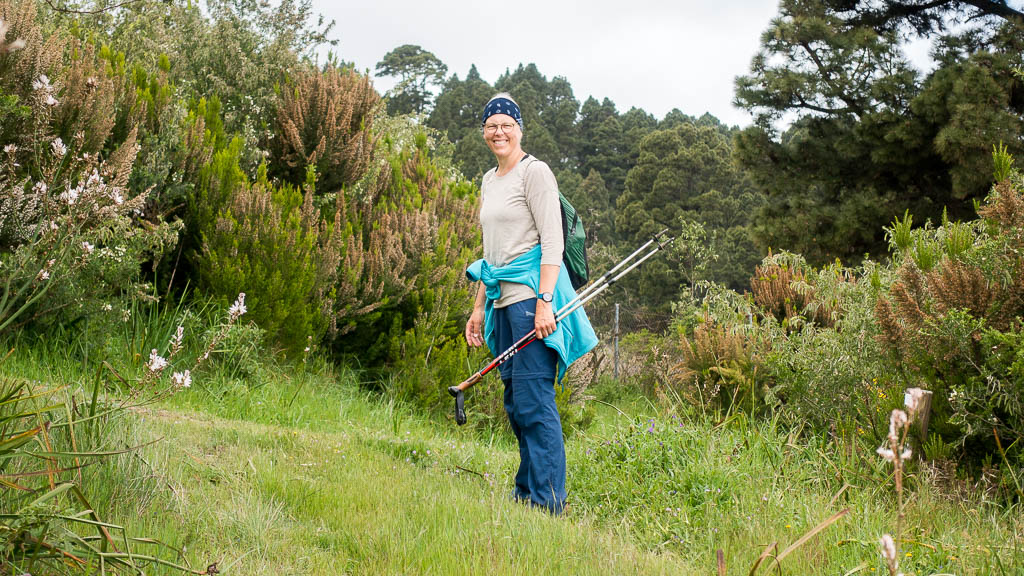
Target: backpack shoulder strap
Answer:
[[526, 161]]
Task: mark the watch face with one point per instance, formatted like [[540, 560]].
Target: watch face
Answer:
[[546, 296]]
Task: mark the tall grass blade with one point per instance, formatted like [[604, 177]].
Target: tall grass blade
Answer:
[[814, 531], [764, 555]]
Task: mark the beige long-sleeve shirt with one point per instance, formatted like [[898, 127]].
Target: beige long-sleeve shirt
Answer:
[[518, 211]]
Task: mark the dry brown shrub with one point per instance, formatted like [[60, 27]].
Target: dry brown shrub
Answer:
[[715, 357], [324, 119], [957, 285], [917, 300], [786, 293], [1006, 207]]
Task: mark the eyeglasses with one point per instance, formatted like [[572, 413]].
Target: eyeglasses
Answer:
[[492, 128]]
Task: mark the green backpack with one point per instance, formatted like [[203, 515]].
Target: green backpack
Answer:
[[574, 239]]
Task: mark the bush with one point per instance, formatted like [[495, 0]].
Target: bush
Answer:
[[719, 366], [72, 237], [402, 296], [783, 286], [956, 325], [325, 120], [271, 243]]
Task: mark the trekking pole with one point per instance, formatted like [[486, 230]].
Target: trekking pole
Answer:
[[588, 293]]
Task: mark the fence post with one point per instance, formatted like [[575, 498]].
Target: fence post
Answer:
[[616, 340], [924, 412]]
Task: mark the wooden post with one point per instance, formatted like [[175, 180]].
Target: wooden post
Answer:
[[616, 340], [923, 414]]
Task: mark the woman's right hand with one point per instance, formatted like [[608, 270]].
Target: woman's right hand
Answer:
[[475, 328]]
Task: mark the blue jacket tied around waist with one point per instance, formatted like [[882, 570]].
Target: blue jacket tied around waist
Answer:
[[574, 335]]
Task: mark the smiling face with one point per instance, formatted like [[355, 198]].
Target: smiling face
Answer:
[[503, 136]]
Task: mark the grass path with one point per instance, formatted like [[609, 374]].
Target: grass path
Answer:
[[264, 498]]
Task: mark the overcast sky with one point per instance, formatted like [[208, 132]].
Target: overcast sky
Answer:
[[652, 54]]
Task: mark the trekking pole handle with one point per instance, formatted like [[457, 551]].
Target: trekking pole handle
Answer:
[[470, 381]]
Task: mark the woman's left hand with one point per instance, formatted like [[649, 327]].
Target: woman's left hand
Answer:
[[544, 321]]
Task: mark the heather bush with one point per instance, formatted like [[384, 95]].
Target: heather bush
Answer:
[[325, 120], [402, 296], [270, 242]]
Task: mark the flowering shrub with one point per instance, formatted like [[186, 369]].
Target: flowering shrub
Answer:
[[78, 243], [72, 235], [325, 119], [402, 295]]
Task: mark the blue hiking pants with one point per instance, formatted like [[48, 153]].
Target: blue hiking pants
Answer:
[[529, 378]]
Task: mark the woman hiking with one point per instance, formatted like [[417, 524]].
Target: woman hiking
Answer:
[[523, 282]]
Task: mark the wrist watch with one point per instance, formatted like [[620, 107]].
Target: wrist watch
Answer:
[[546, 296]]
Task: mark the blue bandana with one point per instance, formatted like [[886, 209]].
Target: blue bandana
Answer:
[[502, 106]]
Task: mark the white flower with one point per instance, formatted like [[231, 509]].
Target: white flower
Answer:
[[238, 308], [182, 379], [58, 147], [116, 197], [10, 148], [69, 196], [888, 549], [890, 456], [87, 248], [51, 101], [44, 274], [897, 420], [886, 454], [94, 178], [107, 307], [42, 83], [912, 400], [156, 362], [39, 189], [179, 336]]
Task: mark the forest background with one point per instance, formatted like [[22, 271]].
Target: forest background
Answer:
[[161, 159]]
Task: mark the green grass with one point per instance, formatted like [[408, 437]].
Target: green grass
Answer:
[[303, 473], [349, 486]]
